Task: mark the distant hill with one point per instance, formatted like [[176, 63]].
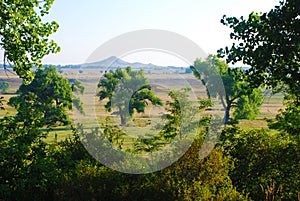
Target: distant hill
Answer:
[[115, 62], [109, 62]]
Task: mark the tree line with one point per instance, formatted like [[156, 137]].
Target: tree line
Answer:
[[254, 164]]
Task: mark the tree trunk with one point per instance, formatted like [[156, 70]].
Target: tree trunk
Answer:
[[122, 115], [227, 114], [123, 119]]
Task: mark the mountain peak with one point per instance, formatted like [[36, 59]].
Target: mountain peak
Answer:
[[116, 62], [111, 61]]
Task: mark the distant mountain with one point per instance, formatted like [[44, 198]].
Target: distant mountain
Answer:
[[109, 62], [115, 62]]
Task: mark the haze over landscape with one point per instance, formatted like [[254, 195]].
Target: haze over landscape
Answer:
[[149, 100], [85, 26]]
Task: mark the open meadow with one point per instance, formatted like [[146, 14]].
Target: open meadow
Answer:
[[144, 123]]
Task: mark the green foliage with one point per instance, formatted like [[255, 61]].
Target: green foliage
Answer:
[[26, 171], [113, 133], [4, 86], [182, 119], [266, 165], [28, 166], [248, 106], [128, 91], [269, 43], [1, 103], [77, 86], [23, 35], [182, 114], [288, 120], [214, 74], [68, 153], [47, 96], [190, 178]]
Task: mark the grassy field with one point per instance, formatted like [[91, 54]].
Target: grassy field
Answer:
[[142, 124]]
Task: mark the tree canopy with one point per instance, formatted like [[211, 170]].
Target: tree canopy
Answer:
[[24, 37], [47, 96], [269, 43], [237, 91], [4, 86], [128, 91]]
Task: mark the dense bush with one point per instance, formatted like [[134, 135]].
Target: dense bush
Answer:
[[190, 178], [266, 164], [258, 163]]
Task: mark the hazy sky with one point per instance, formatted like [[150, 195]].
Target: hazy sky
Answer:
[[85, 25]]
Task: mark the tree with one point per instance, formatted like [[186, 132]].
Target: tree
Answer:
[[4, 87], [1, 103], [76, 86], [181, 115], [288, 119], [266, 164], [181, 120], [269, 43], [247, 107], [236, 88], [49, 96], [128, 91], [26, 162], [23, 35]]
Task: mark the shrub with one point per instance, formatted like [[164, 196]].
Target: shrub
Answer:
[[266, 164]]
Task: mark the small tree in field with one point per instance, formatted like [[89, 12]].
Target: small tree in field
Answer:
[[128, 91], [49, 95], [4, 86]]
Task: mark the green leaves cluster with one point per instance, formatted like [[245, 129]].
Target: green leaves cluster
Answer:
[[230, 85], [128, 91], [48, 96], [181, 116], [24, 36], [26, 162], [248, 106], [288, 120], [266, 164], [182, 121], [269, 43], [4, 86]]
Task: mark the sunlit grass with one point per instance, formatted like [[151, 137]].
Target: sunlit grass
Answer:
[[139, 126]]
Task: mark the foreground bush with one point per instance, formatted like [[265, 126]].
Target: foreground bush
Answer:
[[190, 178], [266, 165]]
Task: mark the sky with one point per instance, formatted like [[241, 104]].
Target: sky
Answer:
[[86, 25]]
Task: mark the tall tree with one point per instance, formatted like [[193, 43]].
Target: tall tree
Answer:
[[49, 96], [128, 91], [23, 35], [234, 81], [269, 43]]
